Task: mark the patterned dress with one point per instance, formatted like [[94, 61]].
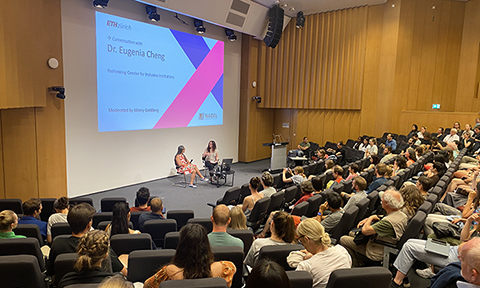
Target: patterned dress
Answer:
[[185, 168]]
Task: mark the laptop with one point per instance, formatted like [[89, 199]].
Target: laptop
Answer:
[[227, 161]]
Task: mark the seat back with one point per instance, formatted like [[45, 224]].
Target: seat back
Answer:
[[373, 197], [30, 230], [61, 229], [426, 207], [328, 178], [235, 255], [259, 212], [126, 243], [300, 279], [279, 253], [363, 277], [28, 246], [63, 264], [181, 216], [300, 209], [290, 193], [231, 196], [100, 217], [196, 283], [345, 224], [158, 228], [107, 203], [314, 203], [76, 201], [12, 204], [103, 225], [47, 208], [142, 264], [171, 240], [134, 216], [244, 192], [245, 235], [362, 209], [347, 186], [21, 271], [413, 228], [205, 222], [432, 198], [276, 202]]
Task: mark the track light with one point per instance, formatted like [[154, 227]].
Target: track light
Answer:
[[199, 26], [100, 3], [59, 89], [231, 35], [300, 20], [152, 13]]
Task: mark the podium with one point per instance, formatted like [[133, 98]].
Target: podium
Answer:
[[278, 159]]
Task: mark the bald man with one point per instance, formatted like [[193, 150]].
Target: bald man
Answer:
[[219, 236], [156, 204], [470, 258]]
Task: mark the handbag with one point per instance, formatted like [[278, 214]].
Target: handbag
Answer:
[[443, 230], [360, 238]]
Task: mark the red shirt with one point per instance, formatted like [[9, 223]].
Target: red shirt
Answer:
[[135, 209], [304, 198]]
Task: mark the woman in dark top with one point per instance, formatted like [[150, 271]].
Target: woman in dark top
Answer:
[[468, 143], [92, 250], [414, 131]]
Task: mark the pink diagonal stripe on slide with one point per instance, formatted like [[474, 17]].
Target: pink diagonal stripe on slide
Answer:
[[189, 100]]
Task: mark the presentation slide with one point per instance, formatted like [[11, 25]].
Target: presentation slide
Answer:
[[150, 77]]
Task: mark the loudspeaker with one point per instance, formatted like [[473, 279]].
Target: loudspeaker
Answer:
[[275, 26]]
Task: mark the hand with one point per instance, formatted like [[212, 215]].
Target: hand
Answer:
[[472, 195], [474, 217], [323, 207], [362, 222], [374, 218], [307, 256], [456, 220]]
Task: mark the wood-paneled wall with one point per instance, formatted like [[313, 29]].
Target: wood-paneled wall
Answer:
[[32, 158]]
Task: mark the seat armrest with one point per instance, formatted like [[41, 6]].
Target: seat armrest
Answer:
[[212, 205]]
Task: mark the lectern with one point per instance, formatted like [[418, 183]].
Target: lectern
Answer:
[[279, 155]]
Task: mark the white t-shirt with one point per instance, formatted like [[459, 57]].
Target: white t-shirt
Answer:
[[254, 251], [55, 218], [322, 264]]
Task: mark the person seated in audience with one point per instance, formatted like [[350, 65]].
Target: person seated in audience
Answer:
[[426, 141], [334, 204], [419, 151], [436, 146], [435, 172], [32, 209], [391, 142], [267, 182], [399, 164], [416, 141], [372, 148], [185, 167], [303, 146], [451, 137], [249, 201], [364, 145], [424, 184], [467, 142], [297, 175], [120, 220], [92, 250], [458, 127], [387, 154], [468, 129], [283, 233], [340, 153], [321, 155], [389, 228], [317, 184], [210, 155], [219, 237], [353, 170], [463, 183], [380, 179], [80, 219], [421, 134], [389, 172], [374, 160], [117, 281], [476, 137], [320, 258], [411, 156], [412, 199], [156, 204], [337, 176], [267, 273], [61, 206], [238, 219], [143, 195], [468, 164], [439, 134], [8, 222], [469, 256], [359, 185], [193, 259], [357, 143], [414, 131], [414, 250]]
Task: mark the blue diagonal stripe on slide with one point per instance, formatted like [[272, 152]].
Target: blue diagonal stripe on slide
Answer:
[[217, 91], [194, 46]]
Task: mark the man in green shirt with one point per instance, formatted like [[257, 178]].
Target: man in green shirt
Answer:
[[219, 237], [304, 145]]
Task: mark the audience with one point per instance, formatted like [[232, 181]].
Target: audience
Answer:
[[333, 203], [380, 179], [117, 281], [412, 199], [8, 222], [238, 219], [374, 160], [219, 237], [411, 156], [399, 164], [353, 170], [267, 182], [297, 175], [32, 209], [156, 205], [267, 274], [424, 184], [470, 258], [359, 184], [372, 148], [414, 131], [451, 137], [120, 220], [143, 195], [364, 145], [391, 142], [337, 176], [249, 201], [193, 259], [61, 206], [387, 154]]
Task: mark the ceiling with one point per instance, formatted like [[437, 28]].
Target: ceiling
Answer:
[[291, 7]]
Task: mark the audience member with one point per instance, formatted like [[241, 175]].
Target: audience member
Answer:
[[470, 258], [399, 164], [436, 146], [143, 195], [297, 175], [374, 160], [156, 205], [117, 281], [387, 154], [32, 209], [414, 131], [412, 199], [440, 135], [411, 156], [8, 222], [249, 201], [468, 129], [357, 143], [424, 184], [267, 274], [333, 203], [340, 153], [372, 148], [451, 137], [267, 182], [303, 146], [359, 185], [219, 237], [391, 142], [120, 220], [337, 176], [193, 259], [317, 184], [422, 132], [238, 219], [364, 145], [353, 170], [61, 206], [457, 127], [380, 171]]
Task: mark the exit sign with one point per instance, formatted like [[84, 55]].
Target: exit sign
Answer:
[[435, 106]]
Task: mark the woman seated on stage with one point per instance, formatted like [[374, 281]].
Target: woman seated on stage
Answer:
[[210, 155], [185, 167]]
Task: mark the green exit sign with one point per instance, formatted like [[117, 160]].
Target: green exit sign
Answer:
[[435, 106]]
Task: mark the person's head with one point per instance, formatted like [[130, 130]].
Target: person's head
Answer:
[[117, 281], [267, 179], [193, 252], [298, 170], [143, 194], [156, 205], [221, 215], [423, 129], [120, 218], [359, 183], [353, 168], [329, 164], [316, 183], [468, 127], [254, 183], [212, 146], [470, 257], [434, 141], [305, 139], [238, 219], [92, 250], [412, 198], [427, 135], [392, 200], [424, 183], [410, 154], [476, 130], [283, 226], [80, 217], [411, 141], [440, 130], [32, 207], [266, 274], [439, 168], [387, 150], [374, 159], [439, 158], [360, 139], [453, 131], [389, 137], [389, 171], [334, 200], [337, 171], [415, 137], [8, 220], [456, 125], [306, 187], [447, 152], [340, 145], [180, 149], [414, 127], [61, 204], [365, 141], [312, 234], [466, 135], [321, 153], [419, 151], [401, 162], [381, 169], [372, 141]]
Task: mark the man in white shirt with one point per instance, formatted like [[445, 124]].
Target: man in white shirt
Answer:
[[452, 137]]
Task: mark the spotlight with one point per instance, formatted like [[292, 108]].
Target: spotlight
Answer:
[[152, 13], [199, 26], [258, 98], [231, 35], [100, 3], [59, 89], [300, 20]]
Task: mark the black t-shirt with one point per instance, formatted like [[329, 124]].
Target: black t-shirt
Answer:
[[84, 277]]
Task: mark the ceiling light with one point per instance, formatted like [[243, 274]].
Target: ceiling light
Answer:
[[300, 20], [100, 3], [152, 13], [199, 26], [231, 35]]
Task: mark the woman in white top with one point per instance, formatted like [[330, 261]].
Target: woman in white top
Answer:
[[320, 257], [211, 155], [61, 206], [372, 148], [422, 131], [364, 145]]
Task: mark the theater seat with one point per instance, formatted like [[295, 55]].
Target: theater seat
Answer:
[[142, 264], [181, 216], [195, 283], [235, 255], [29, 246], [158, 228], [279, 253], [126, 243], [205, 222], [362, 277], [300, 279], [21, 271], [63, 264]]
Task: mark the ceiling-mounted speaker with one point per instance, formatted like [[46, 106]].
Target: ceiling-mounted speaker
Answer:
[[275, 26]]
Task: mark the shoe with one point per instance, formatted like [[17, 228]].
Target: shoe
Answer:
[[192, 186], [205, 179], [394, 285], [425, 273], [406, 282]]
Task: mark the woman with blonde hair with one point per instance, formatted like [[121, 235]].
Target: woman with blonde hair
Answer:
[[8, 222], [320, 258], [238, 219], [297, 175]]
